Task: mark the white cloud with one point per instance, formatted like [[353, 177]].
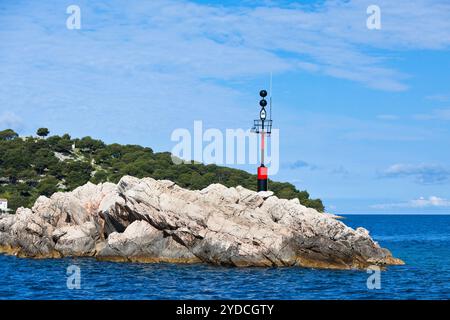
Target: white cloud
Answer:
[[225, 42], [438, 97], [300, 164], [422, 173], [388, 117], [9, 120], [422, 202], [437, 114], [341, 171]]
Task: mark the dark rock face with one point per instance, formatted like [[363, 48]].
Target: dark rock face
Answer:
[[156, 221]]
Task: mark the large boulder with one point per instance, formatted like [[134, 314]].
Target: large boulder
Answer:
[[142, 242], [76, 240], [151, 220], [26, 234]]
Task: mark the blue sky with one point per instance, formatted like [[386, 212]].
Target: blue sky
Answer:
[[364, 115]]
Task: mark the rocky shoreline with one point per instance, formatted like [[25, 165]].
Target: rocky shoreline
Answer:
[[147, 220]]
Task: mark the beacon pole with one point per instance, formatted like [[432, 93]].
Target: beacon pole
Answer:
[[262, 170]]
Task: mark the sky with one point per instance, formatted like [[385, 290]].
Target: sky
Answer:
[[363, 114]]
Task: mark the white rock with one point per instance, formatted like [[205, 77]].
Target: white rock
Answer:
[[151, 221]]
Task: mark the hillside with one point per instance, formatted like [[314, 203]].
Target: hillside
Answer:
[[33, 166]]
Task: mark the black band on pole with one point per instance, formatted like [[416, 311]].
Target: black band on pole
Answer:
[[262, 185]]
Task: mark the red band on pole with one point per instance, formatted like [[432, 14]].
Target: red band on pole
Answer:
[[262, 173]]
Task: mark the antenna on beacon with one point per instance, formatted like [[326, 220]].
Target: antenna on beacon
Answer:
[[270, 97], [263, 126]]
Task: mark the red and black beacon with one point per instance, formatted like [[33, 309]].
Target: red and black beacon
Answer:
[[263, 126]]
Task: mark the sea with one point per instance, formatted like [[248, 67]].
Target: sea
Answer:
[[422, 241]]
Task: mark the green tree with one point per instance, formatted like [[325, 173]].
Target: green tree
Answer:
[[8, 134], [61, 144], [77, 173], [42, 132], [100, 177], [89, 145], [44, 159], [48, 186], [15, 200], [314, 203]]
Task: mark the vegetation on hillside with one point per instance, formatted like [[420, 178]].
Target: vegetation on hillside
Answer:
[[33, 166]]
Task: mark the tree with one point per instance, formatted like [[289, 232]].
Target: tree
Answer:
[[44, 159], [48, 186], [99, 177], [314, 203], [89, 145], [8, 134], [42, 132], [62, 145], [77, 173]]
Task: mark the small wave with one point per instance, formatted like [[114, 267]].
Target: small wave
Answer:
[[412, 237]]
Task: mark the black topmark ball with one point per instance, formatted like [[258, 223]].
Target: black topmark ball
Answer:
[[263, 103], [263, 93]]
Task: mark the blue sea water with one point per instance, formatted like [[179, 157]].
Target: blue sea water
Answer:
[[423, 242]]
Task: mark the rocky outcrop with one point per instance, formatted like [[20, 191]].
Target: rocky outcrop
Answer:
[[157, 221]]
